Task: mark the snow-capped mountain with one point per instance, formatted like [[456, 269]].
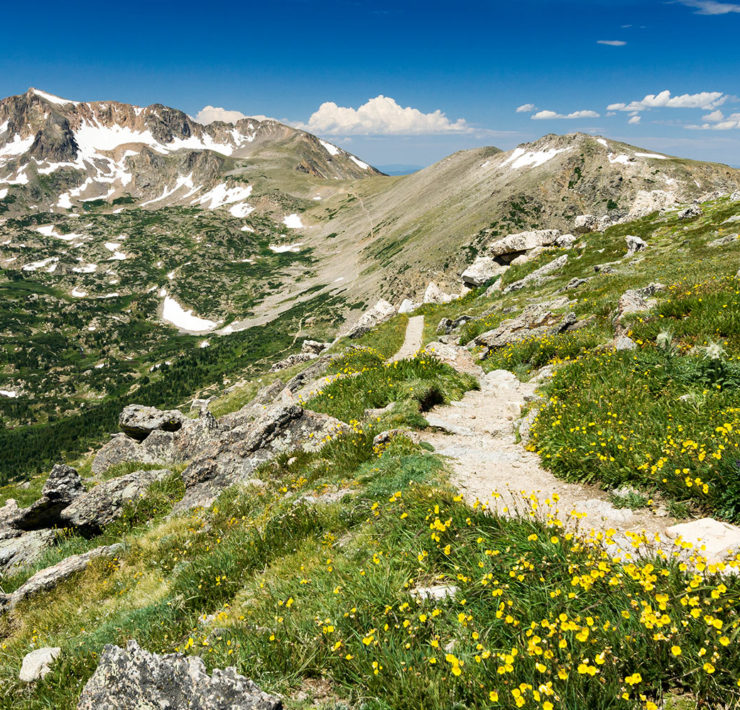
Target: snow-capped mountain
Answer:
[[57, 153]]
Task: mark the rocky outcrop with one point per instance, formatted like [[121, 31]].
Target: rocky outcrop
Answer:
[[293, 359], [134, 679], [313, 347], [408, 306], [690, 212], [585, 223], [434, 294], [376, 315], [534, 321], [539, 275], [138, 421], [483, 269], [723, 241], [19, 549], [51, 576], [634, 244], [104, 503], [566, 241], [514, 245]]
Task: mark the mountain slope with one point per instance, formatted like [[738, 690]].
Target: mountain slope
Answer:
[[429, 224]]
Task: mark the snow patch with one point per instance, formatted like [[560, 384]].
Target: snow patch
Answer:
[[53, 99], [292, 221], [48, 230], [246, 228], [9, 393], [521, 158], [330, 149], [3, 193], [359, 163], [622, 159], [85, 269], [241, 210], [49, 265], [78, 293], [174, 313], [283, 248], [222, 195], [657, 156], [603, 142]]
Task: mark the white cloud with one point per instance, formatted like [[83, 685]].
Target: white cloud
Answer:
[[209, 114], [704, 99], [545, 115], [611, 42], [525, 108], [717, 121], [711, 7], [380, 116], [634, 120]]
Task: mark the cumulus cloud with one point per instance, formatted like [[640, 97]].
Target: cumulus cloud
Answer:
[[705, 99], [634, 120], [525, 108], [544, 115], [711, 7], [717, 121], [209, 114], [611, 42], [380, 116]]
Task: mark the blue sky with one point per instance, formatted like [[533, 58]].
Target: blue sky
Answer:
[[461, 69]]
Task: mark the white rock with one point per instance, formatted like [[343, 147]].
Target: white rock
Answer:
[[647, 202], [524, 241], [407, 306], [584, 223], [565, 241], [718, 539], [481, 270], [435, 592], [622, 342], [434, 294], [380, 312], [37, 663]]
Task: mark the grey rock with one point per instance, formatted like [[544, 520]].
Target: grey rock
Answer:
[[585, 223], [104, 503], [379, 313], [20, 549], [622, 342], [724, 241], [134, 679], [294, 359], [534, 321], [444, 326], [575, 283], [690, 212], [515, 244], [537, 276], [605, 268], [37, 664], [48, 578], [313, 347], [566, 241], [61, 488], [634, 244], [525, 425], [632, 301], [139, 421], [435, 592], [379, 411], [483, 269]]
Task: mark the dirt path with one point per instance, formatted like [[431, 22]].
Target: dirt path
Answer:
[[412, 341], [489, 466]]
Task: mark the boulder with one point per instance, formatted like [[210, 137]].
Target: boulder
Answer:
[[20, 549], [313, 347], [534, 321], [514, 244], [538, 276], [139, 421], [483, 269], [379, 313], [407, 306], [634, 244], [104, 503], [622, 342], [631, 301], [293, 359], [690, 212], [454, 355], [435, 592], [134, 679], [575, 283], [566, 241], [526, 256], [444, 326], [37, 664], [649, 201], [434, 294], [585, 223], [714, 539], [62, 487], [48, 578]]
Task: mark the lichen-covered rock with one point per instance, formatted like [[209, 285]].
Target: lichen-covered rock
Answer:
[[379, 313], [539, 275], [622, 342], [62, 487], [20, 549], [51, 576], [139, 421], [690, 212], [634, 244], [105, 502], [134, 679]]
